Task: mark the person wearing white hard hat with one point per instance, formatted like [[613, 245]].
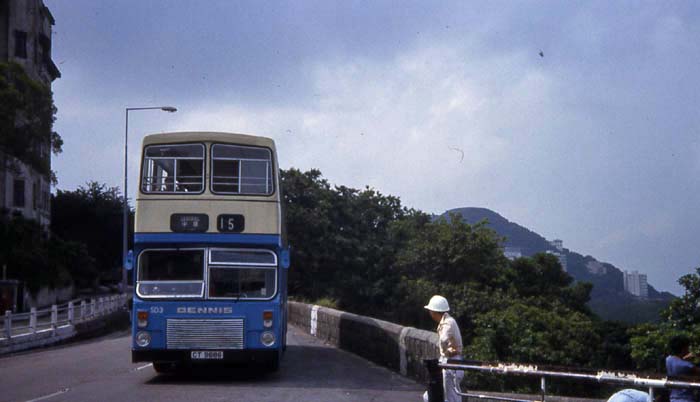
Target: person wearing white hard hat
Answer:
[[449, 343]]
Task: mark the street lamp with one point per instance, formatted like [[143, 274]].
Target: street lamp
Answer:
[[125, 217]]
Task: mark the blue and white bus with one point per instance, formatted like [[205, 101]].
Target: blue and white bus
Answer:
[[210, 254]]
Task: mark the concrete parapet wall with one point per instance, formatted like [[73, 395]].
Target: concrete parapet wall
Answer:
[[36, 340], [101, 325], [387, 344], [83, 321]]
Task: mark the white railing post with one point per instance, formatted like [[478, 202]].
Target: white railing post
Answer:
[[83, 308], [71, 313], [8, 324], [54, 316], [92, 307], [32, 320], [101, 305]]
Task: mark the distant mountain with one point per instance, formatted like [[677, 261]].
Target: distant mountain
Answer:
[[608, 298]]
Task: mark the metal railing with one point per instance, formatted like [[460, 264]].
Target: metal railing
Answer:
[[58, 316], [649, 381]]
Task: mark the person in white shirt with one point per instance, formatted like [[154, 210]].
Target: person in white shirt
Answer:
[[449, 343]]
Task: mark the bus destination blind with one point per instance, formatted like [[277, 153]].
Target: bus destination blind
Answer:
[[189, 223]]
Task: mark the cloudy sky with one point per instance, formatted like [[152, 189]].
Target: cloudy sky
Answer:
[[445, 104]]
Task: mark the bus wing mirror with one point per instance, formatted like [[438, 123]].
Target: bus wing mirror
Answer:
[[129, 261], [284, 258]]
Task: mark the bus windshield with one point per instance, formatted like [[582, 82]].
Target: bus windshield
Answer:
[[244, 283], [171, 273], [245, 274]]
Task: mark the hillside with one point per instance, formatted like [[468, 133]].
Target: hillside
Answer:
[[608, 298]]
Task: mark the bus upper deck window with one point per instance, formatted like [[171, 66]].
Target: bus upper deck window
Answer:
[[174, 168], [241, 170]]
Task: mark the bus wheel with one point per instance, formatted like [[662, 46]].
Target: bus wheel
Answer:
[[273, 364], [163, 367]]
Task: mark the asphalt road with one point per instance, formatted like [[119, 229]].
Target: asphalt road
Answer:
[[101, 370]]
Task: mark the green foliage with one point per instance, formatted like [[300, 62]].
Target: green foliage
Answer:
[[542, 278], [649, 342], [525, 332], [363, 251], [343, 241], [92, 215], [683, 311], [614, 350], [27, 114], [37, 259], [326, 302], [454, 252]]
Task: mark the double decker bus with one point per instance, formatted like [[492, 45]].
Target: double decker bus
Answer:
[[210, 258]]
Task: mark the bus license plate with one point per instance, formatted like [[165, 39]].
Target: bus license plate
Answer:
[[208, 355]]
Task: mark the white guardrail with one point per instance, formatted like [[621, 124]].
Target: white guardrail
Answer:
[[630, 379], [58, 317]]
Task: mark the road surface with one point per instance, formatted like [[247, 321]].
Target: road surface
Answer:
[[101, 370]]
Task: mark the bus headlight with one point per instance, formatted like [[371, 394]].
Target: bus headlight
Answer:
[[267, 338], [143, 339]]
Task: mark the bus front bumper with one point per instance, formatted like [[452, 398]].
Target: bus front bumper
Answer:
[[230, 356]]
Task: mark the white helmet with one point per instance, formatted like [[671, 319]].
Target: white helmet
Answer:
[[438, 304]]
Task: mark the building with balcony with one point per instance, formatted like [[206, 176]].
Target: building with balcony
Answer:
[[25, 39]]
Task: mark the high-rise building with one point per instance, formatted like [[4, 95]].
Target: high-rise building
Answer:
[[558, 244], [512, 253], [25, 39], [636, 284], [559, 253]]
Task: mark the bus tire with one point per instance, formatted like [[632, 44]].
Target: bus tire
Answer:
[[273, 364], [163, 367]]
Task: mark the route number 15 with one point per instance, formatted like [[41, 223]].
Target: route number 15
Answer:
[[230, 223]]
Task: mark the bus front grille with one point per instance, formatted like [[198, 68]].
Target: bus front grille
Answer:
[[205, 334]]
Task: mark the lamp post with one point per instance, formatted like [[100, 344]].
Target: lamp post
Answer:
[[125, 207]]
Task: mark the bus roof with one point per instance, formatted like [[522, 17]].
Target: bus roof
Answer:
[[208, 136]]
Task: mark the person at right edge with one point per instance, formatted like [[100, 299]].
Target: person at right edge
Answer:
[[449, 343], [678, 365]]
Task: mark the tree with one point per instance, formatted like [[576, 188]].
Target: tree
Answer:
[[92, 215], [542, 277], [649, 342], [684, 312], [454, 252], [370, 255], [342, 247], [27, 114], [39, 260], [524, 332]]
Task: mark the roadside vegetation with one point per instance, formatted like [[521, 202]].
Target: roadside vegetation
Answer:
[[369, 254]]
